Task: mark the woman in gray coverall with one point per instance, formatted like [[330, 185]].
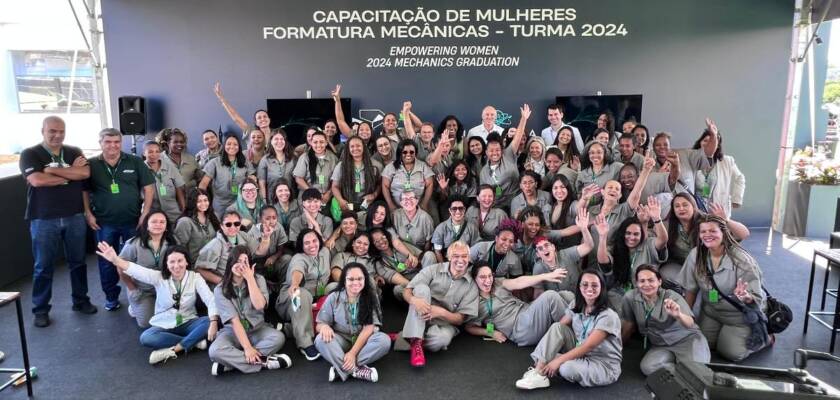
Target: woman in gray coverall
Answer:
[[665, 321]]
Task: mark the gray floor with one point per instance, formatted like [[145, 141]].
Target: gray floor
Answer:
[[99, 356]]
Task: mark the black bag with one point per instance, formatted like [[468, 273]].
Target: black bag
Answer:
[[674, 286], [779, 315]]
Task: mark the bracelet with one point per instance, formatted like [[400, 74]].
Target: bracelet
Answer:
[[656, 221]]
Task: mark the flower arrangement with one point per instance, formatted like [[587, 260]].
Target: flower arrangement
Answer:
[[815, 168]]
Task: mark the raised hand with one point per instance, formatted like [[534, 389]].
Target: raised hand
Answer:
[[711, 126], [525, 110], [575, 163], [528, 165], [602, 226], [582, 219], [741, 292], [650, 162], [654, 208], [671, 307], [267, 231], [643, 213], [336, 93], [106, 251], [666, 167], [717, 210], [406, 108], [217, 89], [443, 181], [557, 275]]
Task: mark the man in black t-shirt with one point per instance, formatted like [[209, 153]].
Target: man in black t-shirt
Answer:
[[54, 174]]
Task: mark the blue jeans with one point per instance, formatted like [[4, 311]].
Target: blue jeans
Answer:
[[48, 238], [188, 334], [116, 236]]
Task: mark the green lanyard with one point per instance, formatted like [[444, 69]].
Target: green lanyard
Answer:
[[488, 305], [240, 307], [407, 185], [319, 170], [683, 234], [399, 266], [354, 319], [179, 287], [234, 189], [233, 241], [586, 326], [357, 176], [156, 254], [159, 180], [60, 159], [648, 312], [115, 188]]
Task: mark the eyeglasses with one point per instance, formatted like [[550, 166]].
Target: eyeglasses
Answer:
[[231, 224], [408, 152], [254, 190], [457, 209]]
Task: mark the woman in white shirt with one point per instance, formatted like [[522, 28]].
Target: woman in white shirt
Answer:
[[175, 328]]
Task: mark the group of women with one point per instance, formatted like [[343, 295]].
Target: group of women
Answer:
[[574, 250]]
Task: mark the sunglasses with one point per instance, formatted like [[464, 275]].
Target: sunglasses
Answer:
[[407, 152], [455, 209], [176, 297], [231, 224]]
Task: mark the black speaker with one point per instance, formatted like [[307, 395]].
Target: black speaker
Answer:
[[132, 115]]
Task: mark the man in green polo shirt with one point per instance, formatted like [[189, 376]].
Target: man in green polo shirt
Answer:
[[117, 198]]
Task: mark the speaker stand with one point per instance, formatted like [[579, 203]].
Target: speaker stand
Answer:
[[134, 144]]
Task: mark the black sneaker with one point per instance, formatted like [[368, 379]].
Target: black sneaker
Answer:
[[311, 353], [85, 308], [217, 369], [42, 320], [112, 305]]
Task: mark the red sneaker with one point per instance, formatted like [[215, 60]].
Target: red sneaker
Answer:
[[393, 336], [418, 359]]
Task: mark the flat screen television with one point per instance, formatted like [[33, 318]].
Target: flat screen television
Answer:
[[582, 111], [296, 115]]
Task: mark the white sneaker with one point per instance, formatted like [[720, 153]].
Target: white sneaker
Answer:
[[161, 355], [277, 361], [131, 311], [533, 380], [2, 356], [332, 374], [202, 345]]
